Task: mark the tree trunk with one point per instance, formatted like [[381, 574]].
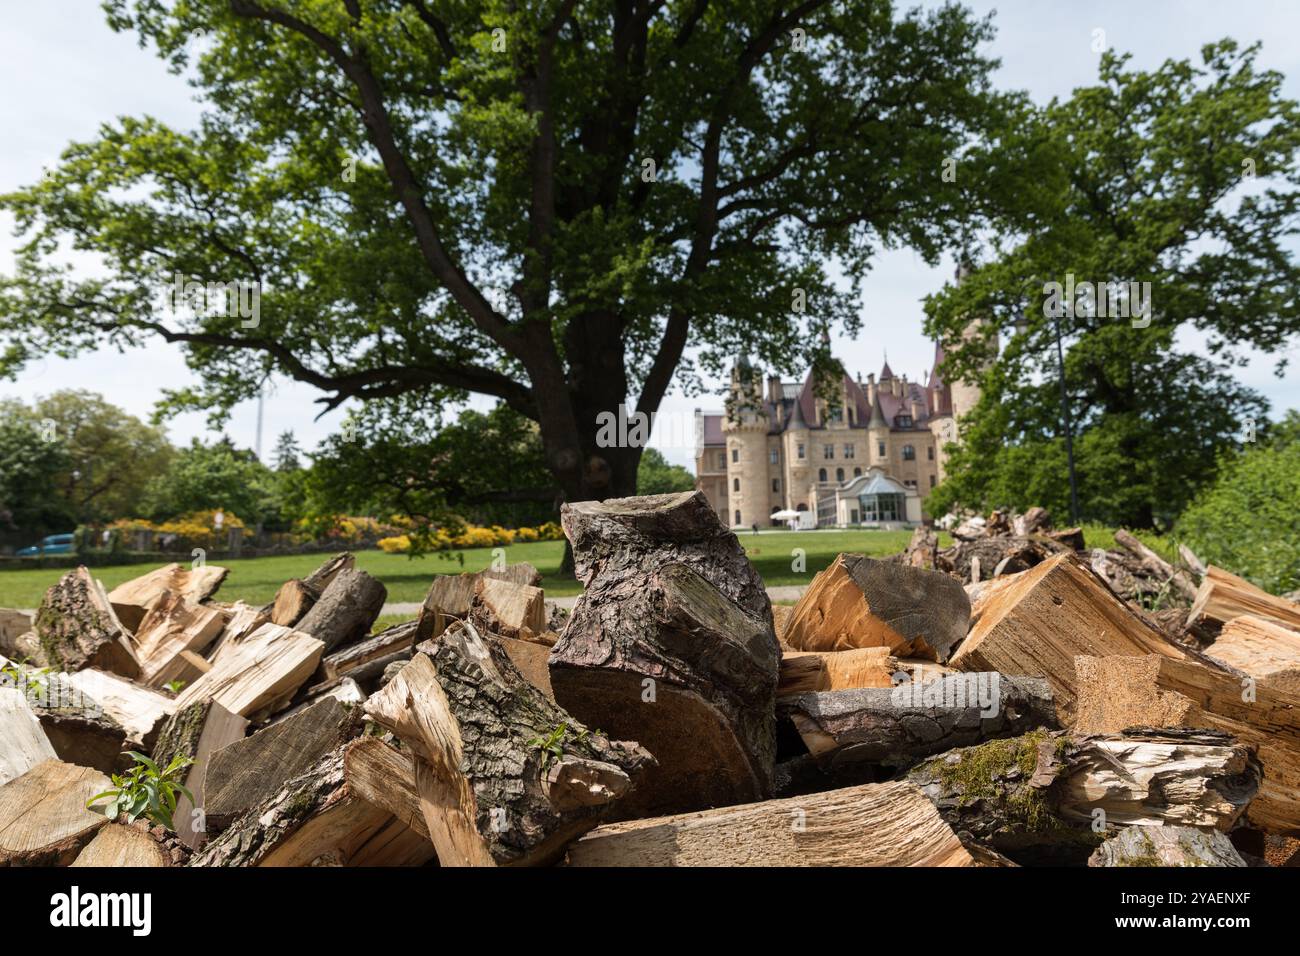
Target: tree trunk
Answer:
[[78, 627], [346, 609]]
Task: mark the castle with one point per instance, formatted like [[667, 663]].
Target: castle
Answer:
[[840, 455]]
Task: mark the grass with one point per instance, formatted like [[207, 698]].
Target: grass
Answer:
[[781, 558], [776, 555]]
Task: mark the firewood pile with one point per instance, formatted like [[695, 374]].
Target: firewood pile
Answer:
[[996, 703]]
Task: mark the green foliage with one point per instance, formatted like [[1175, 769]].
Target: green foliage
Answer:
[[1248, 520], [287, 455], [30, 465], [552, 745], [1139, 178], [146, 791], [655, 476], [217, 475]]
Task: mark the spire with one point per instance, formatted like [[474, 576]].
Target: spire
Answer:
[[877, 415], [886, 373]]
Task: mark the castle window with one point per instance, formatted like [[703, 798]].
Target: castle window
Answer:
[[903, 421], [836, 413], [800, 455], [776, 484], [910, 482], [821, 474], [722, 460], [737, 517], [929, 453], [839, 474], [801, 506], [828, 452], [849, 451], [857, 472], [932, 481], [909, 453], [735, 454], [880, 449], [773, 456], [735, 484]]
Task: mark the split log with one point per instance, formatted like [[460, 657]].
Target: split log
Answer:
[[17, 639], [532, 661], [450, 595], [78, 627], [923, 550], [781, 620], [79, 729], [169, 628], [1191, 560], [382, 775], [885, 824], [861, 602], [22, 742], [1115, 693], [505, 777], [199, 732], [673, 631], [120, 844], [1261, 648], [392, 640], [346, 609], [508, 609], [1036, 520], [133, 599], [897, 725], [1046, 788], [805, 671], [241, 621], [345, 690], [1071, 538], [1223, 596], [1167, 846], [258, 676], [292, 602], [314, 820], [43, 815], [139, 710], [1042, 619], [975, 560], [1157, 565], [252, 769]]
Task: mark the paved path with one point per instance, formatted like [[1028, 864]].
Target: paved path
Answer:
[[784, 592]]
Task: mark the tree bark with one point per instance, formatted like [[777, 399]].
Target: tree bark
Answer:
[[78, 628], [1167, 846], [346, 609]]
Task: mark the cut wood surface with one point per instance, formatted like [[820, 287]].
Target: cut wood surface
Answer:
[[79, 729], [400, 637], [78, 628], [1051, 614], [1223, 596], [251, 769], [138, 709], [198, 732], [346, 609], [898, 724], [862, 602], [803, 671], [292, 602], [886, 824], [532, 660], [172, 626], [450, 595], [119, 844], [673, 631], [22, 742], [241, 621], [1261, 648], [314, 820], [1044, 788], [1115, 693], [493, 791], [1167, 846], [508, 609], [260, 674], [382, 775], [43, 815], [133, 599]]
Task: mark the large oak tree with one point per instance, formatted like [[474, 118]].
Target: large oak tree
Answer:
[[565, 205]]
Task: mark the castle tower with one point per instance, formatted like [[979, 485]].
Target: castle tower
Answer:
[[745, 427], [878, 435]]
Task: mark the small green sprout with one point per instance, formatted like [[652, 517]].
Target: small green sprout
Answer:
[[146, 791], [552, 745]]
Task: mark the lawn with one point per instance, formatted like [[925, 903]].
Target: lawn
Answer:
[[781, 557], [776, 555]]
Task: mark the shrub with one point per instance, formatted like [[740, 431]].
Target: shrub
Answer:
[[399, 544]]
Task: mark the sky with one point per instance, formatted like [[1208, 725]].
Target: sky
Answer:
[[65, 72]]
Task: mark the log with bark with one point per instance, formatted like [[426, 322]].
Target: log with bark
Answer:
[[508, 609], [886, 824], [1166, 846], [1223, 596], [450, 595], [1157, 565], [674, 630], [250, 770], [346, 610], [198, 732], [43, 815], [81, 731], [78, 627], [897, 725], [1261, 648], [923, 550], [172, 626], [292, 602], [862, 602], [17, 638], [382, 775], [315, 820], [504, 775], [1059, 792], [259, 675], [139, 710], [196, 584], [398, 639], [23, 743], [990, 557]]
